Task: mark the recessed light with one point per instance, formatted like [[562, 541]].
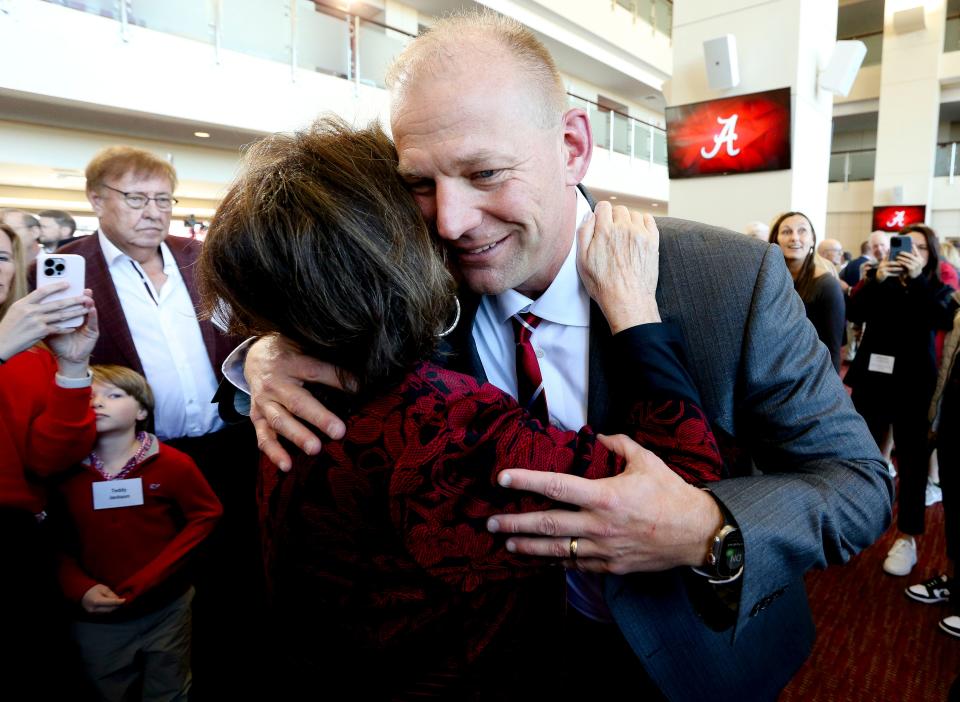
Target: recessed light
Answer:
[[656, 205], [613, 197], [202, 135]]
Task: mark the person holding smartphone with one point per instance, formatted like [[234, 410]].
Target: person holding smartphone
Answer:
[[902, 303], [46, 425]]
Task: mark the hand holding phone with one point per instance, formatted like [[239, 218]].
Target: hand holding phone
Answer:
[[900, 244], [63, 268]]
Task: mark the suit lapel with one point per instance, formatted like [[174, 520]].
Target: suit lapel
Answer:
[[459, 348], [113, 322]]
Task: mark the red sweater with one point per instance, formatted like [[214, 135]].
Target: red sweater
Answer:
[[134, 550], [44, 428]]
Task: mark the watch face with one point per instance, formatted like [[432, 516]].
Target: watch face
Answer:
[[733, 557]]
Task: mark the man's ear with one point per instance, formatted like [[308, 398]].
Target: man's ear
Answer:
[[577, 145], [95, 200]]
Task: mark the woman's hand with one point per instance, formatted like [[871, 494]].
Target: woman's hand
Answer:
[[73, 347], [911, 262], [619, 263], [887, 269], [30, 319]]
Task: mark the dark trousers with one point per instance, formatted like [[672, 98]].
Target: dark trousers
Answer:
[[37, 652], [600, 664], [907, 412], [948, 454], [229, 609]]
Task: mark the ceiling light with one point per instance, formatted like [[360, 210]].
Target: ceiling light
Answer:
[[613, 197], [202, 135], [656, 204]]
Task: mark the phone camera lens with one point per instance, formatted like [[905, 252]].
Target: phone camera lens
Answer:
[[59, 267]]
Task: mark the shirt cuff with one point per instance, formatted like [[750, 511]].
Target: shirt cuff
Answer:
[[233, 366], [71, 383]]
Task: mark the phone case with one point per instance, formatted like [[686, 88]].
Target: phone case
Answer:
[[56, 268]]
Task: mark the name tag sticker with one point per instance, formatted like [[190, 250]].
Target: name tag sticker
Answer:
[[108, 494], [881, 364]]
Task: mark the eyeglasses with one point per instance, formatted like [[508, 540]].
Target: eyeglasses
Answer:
[[137, 201]]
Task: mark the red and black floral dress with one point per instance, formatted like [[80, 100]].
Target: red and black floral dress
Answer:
[[382, 573]]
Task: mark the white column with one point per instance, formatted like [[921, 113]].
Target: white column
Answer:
[[781, 43], [909, 107]]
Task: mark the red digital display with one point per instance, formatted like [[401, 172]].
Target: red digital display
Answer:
[[893, 218], [740, 134]]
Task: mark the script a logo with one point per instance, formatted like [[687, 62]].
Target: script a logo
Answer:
[[727, 136], [897, 219]]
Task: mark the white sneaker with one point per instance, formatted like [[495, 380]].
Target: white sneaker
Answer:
[[934, 493], [891, 470], [902, 557]]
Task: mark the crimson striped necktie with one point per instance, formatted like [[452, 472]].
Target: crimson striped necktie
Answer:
[[530, 392]]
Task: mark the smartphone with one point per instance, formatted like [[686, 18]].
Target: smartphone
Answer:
[[59, 268], [898, 244]]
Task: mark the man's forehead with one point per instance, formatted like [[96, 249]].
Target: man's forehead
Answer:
[[145, 182]]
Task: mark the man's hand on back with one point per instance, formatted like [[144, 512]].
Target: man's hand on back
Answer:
[[275, 372]]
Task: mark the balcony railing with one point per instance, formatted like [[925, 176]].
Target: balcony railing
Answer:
[[657, 13], [947, 161], [951, 37], [853, 165], [287, 31], [623, 134]]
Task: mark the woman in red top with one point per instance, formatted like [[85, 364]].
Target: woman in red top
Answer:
[[46, 425], [383, 574]]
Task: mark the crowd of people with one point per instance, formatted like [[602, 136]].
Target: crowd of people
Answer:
[[445, 331]]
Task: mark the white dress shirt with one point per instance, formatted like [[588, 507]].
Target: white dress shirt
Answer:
[[562, 344], [167, 337], [561, 341]]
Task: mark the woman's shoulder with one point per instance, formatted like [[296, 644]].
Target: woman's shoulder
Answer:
[[34, 367], [448, 385]]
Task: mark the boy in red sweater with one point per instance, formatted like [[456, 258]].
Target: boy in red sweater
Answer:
[[138, 508]]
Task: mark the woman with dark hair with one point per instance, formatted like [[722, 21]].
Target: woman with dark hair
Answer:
[[903, 303], [819, 290], [380, 566]]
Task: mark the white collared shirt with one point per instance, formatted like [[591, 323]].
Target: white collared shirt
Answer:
[[167, 337], [562, 339]]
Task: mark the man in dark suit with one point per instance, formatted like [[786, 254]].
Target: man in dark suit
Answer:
[[144, 287], [493, 157]]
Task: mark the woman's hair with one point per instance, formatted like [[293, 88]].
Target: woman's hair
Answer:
[[132, 383], [931, 271], [319, 240], [18, 286], [805, 278], [949, 253]]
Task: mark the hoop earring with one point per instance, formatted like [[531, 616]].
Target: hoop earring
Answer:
[[456, 320]]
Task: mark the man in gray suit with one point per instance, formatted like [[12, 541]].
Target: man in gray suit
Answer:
[[705, 587]]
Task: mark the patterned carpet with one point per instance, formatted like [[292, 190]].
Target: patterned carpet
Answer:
[[873, 644]]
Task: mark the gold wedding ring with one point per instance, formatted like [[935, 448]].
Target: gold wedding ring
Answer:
[[574, 542]]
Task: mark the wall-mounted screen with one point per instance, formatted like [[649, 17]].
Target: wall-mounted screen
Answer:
[[893, 218], [740, 134]]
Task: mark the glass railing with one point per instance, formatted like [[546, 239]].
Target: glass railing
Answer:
[[622, 133], [857, 164], [947, 160], [286, 31], [951, 37], [656, 13]]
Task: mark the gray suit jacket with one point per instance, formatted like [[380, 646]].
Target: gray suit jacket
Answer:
[[767, 382]]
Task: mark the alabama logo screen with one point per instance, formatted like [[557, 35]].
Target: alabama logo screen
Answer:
[[740, 134]]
